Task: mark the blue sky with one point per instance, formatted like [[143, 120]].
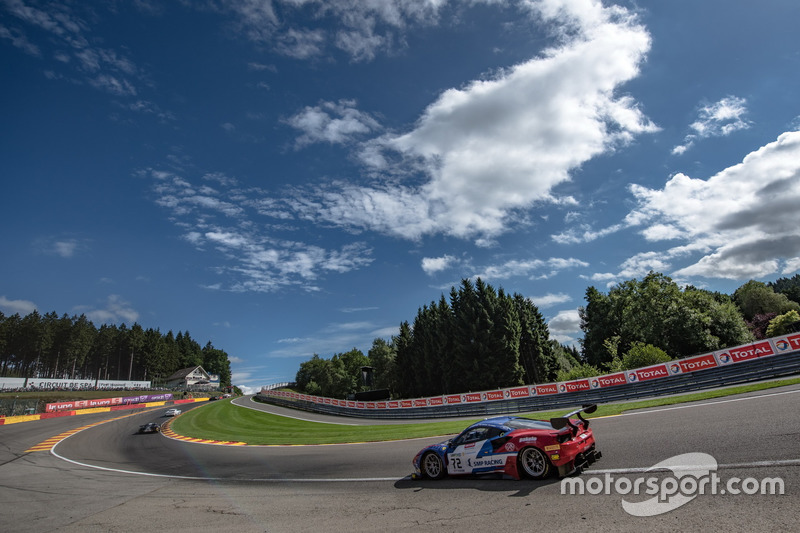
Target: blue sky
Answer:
[[291, 177]]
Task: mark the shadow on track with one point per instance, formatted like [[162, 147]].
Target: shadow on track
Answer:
[[485, 483]]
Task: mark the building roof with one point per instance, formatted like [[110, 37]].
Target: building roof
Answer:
[[181, 374]]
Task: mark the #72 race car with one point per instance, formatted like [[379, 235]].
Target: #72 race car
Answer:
[[514, 446]]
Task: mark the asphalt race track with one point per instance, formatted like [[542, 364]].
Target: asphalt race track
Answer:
[[108, 478]]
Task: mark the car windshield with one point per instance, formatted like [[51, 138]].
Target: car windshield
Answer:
[[527, 423]]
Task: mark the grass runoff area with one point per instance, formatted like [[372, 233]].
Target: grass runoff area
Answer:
[[223, 421]]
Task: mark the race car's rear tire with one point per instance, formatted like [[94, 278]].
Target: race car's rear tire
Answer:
[[432, 466], [533, 463]]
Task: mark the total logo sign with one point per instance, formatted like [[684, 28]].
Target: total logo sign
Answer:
[[519, 392], [788, 344], [609, 380], [745, 353], [493, 395], [550, 388], [574, 386], [700, 362], [652, 372]]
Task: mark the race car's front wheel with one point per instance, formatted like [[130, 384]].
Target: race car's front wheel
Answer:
[[432, 466], [533, 463]]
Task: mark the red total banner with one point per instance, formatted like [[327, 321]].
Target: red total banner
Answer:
[[790, 343], [745, 353], [609, 380], [693, 364], [769, 347], [651, 372], [518, 392], [550, 388], [574, 386], [472, 397]]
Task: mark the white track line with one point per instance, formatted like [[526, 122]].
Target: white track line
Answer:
[[639, 470], [647, 411], [294, 417]]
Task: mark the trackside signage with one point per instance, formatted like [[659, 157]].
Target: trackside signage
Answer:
[[551, 388], [84, 384], [574, 386], [700, 362], [106, 402], [610, 380], [645, 374], [745, 353], [519, 392], [769, 347], [790, 343]]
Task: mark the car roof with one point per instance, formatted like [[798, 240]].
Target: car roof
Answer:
[[510, 423]]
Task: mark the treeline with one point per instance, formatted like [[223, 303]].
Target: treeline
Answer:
[[482, 338], [71, 347], [656, 311]]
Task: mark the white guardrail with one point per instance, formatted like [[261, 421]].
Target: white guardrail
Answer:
[[768, 348]]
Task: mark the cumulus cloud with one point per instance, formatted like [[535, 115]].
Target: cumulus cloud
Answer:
[[501, 144], [114, 311], [565, 326], [431, 265], [533, 268], [12, 307], [549, 300], [332, 122], [716, 120], [742, 221]]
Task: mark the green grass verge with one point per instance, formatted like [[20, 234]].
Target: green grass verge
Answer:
[[226, 422]]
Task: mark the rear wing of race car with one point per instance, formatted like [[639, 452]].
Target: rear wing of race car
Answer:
[[563, 421]]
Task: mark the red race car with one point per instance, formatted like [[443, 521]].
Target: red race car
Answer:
[[514, 446]]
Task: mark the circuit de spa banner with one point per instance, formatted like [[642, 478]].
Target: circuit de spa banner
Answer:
[[765, 348]]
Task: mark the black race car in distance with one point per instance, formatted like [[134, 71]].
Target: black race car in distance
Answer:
[[151, 427]]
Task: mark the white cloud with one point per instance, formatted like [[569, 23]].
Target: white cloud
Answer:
[[502, 144], [362, 29], [549, 300], [744, 220], [335, 338], [115, 311], [73, 44], [19, 40], [533, 268], [431, 265], [65, 248], [565, 326], [332, 122], [61, 247], [225, 220], [716, 120], [21, 307]]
